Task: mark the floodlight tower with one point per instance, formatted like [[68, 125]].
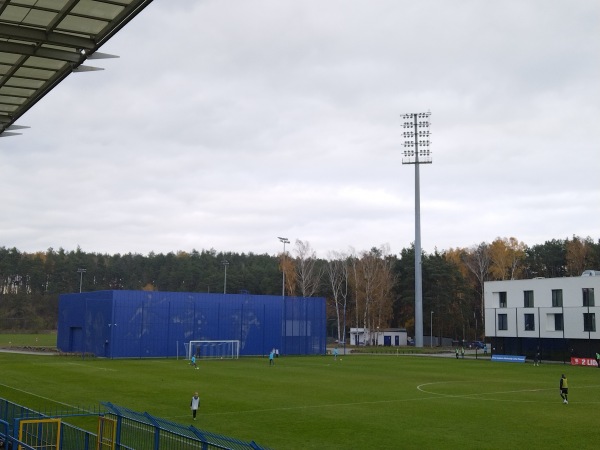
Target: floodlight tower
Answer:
[[80, 272], [284, 241], [416, 151], [225, 264]]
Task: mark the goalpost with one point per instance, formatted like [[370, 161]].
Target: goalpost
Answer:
[[213, 349]]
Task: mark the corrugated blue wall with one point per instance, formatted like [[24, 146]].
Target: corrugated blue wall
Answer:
[[83, 322], [143, 324]]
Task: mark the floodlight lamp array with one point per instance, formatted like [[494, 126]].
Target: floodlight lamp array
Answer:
[[416, 140], [412, 153], [414, 144], [424, 115]]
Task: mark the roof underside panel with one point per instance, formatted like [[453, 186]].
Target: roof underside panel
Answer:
[[43, 41]]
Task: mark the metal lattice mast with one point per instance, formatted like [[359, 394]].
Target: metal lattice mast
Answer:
[[416, 151]]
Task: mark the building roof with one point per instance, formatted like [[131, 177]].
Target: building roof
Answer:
[[43, 41]]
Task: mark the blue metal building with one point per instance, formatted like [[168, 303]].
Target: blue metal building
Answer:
[[126, 324]]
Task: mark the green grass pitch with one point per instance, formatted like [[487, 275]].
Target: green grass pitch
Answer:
[[360, 401]]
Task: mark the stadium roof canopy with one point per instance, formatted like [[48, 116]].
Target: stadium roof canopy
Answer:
[[43, 41]]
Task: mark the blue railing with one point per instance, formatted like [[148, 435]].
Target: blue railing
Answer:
[[134, 430]]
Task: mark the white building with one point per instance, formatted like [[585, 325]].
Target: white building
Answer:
[[385, 336], [555, 316]]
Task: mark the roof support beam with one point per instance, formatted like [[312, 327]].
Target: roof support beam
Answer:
[[40, 36], [42, 52]]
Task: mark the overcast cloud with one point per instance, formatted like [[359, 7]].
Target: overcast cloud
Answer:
[[225, 124]]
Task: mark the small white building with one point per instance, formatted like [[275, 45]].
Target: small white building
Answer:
[[390, 337], [555, 316]]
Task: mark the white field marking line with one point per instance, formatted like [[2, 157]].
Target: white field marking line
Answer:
[[475, 396], [42, 397], [91, 367], [435, 396], [292, 408], [62, 364]]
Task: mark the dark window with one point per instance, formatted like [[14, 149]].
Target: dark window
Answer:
[[529, 322], [588, 296], [589, 322], [502, 299], [558, 322], [528, 299], [557, 297], [502, 322]]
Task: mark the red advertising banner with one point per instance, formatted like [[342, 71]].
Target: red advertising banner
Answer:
[[583, 362]]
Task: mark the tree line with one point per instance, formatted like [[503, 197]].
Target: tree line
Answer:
[[370, 288]]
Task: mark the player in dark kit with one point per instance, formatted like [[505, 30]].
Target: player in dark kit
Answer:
[[564, 389]]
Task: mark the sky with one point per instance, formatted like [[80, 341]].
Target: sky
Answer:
[[225, 124]]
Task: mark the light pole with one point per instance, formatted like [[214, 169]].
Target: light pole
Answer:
[[225, 264], [416, 151], [284, 241], [431, 330], [80, 272], [344, 327]]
